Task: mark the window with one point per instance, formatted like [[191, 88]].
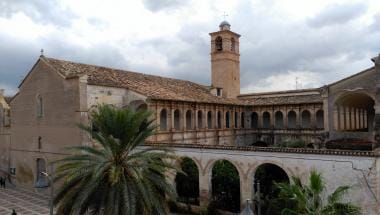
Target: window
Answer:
[[320, 119], [279, 120], [219, 120], [177, 120], [266, 120], [189, 124], [254, 120], [40, 107], [292, 119], [306, 119], [218, 44], [236, 119], [200, 119], [218, 91], [163, 120], [227, 119], [242, 120], [209, 120]]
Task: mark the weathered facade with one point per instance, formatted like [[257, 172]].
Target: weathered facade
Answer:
[[58, 94], [5, 137]]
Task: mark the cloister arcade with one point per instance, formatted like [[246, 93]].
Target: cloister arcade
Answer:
[[174, 120]]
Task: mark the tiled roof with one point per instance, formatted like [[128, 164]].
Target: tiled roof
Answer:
[[282, 100], [154, 87]]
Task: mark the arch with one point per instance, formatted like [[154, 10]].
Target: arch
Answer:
[[254, 120], [138, 105], [209, 119], [218, 43], [279, 120], [225, 183], [41, 180], [200, 119], [242, 119], [264, 177], [189, 122], [227, 119], [187, 183], [219, 120], [266, 119], [163, 120], [319, 116], [305, 119], [39, 106], [292, 119], [232, 44], [236, 124], [354, 112], [177, 120]]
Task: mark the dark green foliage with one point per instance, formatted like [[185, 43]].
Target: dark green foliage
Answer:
[[187, 182], [114, 177], [212, 208], [226, 186], [308, 198], [267, 175]]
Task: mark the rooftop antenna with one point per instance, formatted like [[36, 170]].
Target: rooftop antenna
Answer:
[[42, 52]]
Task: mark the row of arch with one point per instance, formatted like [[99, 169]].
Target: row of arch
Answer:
[[225, 181], [289, 121]]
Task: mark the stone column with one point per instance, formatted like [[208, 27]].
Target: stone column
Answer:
[[342, 117], [347, 118], [365, 119], [246, 190], [336, 118], [353, 118], [204, 189], [357, 118]]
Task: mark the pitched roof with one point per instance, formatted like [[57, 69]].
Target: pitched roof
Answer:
[[285, 100], [154, 87]]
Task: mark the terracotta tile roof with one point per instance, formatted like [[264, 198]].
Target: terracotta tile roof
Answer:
[[154, 87], [282, 100]]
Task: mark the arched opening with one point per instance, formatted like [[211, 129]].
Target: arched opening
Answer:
[[187, 183], [254, 120], [200, 119], [189, 123], [163, 120], [227, 119], [306, 119], [209, 120], [236, 124], [177, 120], [219, 121], [320, 119], [142, 107], [242, 120], [354, 112], [41, 180], [279, 120], [219, 43], [292, 119], [265, 177], [232, 44], [266, 120], [138, 105], [225, 182]]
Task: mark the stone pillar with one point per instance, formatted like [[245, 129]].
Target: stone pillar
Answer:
[[357, 118], [169, 123], [365, 119], [204, 189], [342, 126], [353, 118], [246, 190], [347, 118], [336, 118]]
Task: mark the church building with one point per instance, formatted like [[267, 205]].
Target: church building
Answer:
[[342, 117]]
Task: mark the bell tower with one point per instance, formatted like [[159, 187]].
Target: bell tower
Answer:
[[225, 62]]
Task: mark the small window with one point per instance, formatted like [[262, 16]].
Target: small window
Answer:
[[41, 180], [40, 106], [218, 91]]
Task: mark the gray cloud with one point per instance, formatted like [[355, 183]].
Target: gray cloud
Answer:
[[337, 14], [375, 27], [154, 5], [41, 11]]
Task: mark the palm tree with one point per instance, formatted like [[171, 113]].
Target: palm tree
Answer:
[[308, 199], [114, 177]]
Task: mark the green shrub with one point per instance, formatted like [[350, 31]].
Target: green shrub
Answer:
[[296, 143]]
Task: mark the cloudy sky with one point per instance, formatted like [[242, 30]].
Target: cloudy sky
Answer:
[[317, 41]]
